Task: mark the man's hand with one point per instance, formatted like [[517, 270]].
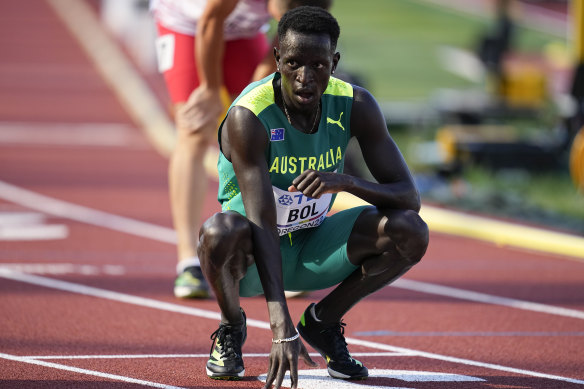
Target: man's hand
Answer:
[[201, 110], [314, 183], [284, 357]]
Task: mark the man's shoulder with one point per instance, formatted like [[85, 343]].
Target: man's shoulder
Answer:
[[338, 87], [257, 96]]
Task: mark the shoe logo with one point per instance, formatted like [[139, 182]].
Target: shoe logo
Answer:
[[337, 122], [216, 357]]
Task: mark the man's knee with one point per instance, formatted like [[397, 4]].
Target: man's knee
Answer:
[[408, 231], [222, 234]]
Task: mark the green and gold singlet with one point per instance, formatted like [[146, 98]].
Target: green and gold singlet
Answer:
[[291, 151]]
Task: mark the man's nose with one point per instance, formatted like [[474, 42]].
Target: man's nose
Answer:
[[304, 75]]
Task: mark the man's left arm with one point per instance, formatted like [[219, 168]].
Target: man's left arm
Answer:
[[394, 189]]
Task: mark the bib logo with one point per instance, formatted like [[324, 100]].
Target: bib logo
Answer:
[[285, 200]]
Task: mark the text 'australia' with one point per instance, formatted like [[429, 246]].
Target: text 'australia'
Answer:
[[291, 164]]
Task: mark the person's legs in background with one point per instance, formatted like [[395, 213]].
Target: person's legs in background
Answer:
[[188, 179]]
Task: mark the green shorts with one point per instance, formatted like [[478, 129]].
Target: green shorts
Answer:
[[312, 259]]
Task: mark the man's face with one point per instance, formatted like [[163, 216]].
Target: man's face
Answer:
[[306, 62]]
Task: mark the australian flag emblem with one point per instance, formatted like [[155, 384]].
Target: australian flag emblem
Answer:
[[276, 134]]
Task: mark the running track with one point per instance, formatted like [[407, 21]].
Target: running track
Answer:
[[87, 260]]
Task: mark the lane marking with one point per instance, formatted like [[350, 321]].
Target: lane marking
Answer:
[[119, 297], [30, 233], [71, 134], [155, 304], [83, 214], [462, 361], [118, 71], [64, 268], [91, 216], [319, 378], [14, 218], [87, 372], [463, 333], [168, 356], [27, 226], [463, 294]]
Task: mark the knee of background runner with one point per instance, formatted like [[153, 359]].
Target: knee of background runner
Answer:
[[408, 231], [225, 236]]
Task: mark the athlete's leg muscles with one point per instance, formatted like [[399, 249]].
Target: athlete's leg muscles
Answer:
[[385, 244], [225, 252]]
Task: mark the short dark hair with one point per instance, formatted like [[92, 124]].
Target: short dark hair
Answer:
[[310, 20], [325, 4]]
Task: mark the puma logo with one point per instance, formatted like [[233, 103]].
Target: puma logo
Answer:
[[337, 122]]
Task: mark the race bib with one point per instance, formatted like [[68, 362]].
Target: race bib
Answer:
[[296, 211], [165, 52]]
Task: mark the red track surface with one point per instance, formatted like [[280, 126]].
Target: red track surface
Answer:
[[140, 335]]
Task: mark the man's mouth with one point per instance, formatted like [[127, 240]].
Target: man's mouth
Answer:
[[304, 96]]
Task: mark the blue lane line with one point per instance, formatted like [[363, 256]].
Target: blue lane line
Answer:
[[464, 333]]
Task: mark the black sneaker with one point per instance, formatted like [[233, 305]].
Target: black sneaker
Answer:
[[225, 358], [330, 343]]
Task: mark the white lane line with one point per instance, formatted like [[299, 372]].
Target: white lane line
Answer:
[[71, 134], [448, 291], [13, 218], [83, 214], [469, 362], [155, 304], [91, 216], [116, 296], [117, 70], [64, 268], [30, 233], [167, 356], [26, 226], [87, 372]]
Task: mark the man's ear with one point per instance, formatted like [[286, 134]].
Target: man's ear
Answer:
[[336, 59], [277, 57]]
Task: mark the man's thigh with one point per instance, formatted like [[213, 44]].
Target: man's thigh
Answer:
[[314, 258]]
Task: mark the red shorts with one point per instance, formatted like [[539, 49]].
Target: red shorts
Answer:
[[239, 63]]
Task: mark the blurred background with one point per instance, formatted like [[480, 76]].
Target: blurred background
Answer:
[[483, 97]]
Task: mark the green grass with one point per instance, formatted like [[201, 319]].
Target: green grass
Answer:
[[393, 45], [544, 198]]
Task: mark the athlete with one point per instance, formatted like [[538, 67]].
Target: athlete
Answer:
[[202, 46], [282, 145]]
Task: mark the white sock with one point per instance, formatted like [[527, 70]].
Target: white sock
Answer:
[[187, 262]]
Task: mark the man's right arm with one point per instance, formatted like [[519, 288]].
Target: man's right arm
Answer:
[[244, 140], [204, 105], [210, 42]]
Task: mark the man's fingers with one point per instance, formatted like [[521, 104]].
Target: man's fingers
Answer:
[[280, 376], [271, 374], [293, 372], [299, 179]]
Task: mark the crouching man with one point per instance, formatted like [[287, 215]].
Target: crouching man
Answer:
[[282, 147]]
